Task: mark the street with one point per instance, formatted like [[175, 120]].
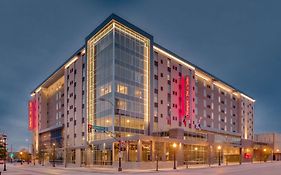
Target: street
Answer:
[[245, 169]]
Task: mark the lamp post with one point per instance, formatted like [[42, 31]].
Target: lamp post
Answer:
[[175, 146], [264, 150], [5, 159], [54, 154], [277, 155], [219, 149], [43, 152], [119, 149], [157, 157], [21, 157]]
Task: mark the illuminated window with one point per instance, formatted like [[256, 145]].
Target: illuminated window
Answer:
[[105, 89], [168, 63], [138, 93], [122, 89], [121, 104]]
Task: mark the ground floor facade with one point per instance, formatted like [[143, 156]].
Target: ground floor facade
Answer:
[[140, 151]]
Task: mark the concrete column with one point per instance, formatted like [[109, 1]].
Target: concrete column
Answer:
[[240, 155], [152, 150], [164, 150], [113, 153], [180, 154], [78, 157], [139, 157], [89, 156], [127, 158]]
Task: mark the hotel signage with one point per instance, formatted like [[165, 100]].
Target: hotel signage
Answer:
[[32, 117]]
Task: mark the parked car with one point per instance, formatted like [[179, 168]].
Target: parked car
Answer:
[[1, 161]]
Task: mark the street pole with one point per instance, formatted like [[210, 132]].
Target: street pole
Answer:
[[119, 116], [43, 158], [157, 162], [21, 158], [5, 168], [5, 159], [54, 149], [174, 146], [219, 158], [219, 148]]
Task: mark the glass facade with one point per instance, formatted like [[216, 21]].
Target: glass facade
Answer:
[[119, 82], [130, 82], [103, 78]]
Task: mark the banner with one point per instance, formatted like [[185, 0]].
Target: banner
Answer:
[[32, 117]]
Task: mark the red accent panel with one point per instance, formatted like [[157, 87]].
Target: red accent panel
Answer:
[[181, 101], [187, 103], [32, 117]]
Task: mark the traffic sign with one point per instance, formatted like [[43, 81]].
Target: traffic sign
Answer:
[[100, 128]]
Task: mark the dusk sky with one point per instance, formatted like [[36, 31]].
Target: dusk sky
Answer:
[[238, 41]]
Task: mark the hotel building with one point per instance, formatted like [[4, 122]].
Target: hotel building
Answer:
[[123, 88]]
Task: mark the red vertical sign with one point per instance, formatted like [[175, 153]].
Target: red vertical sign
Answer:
[[32, 115], [187, 105], [182, 95]]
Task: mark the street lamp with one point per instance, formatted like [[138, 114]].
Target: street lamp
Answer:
[[195, 149], [21, 157], [264, 155], [219, 148], [277, 155], [5, 159], [175, 146], [119, 149], [54, 152]]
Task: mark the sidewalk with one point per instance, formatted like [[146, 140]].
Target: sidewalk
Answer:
[[110, 170]]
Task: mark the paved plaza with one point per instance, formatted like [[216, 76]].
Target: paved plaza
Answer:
[[270, 168]]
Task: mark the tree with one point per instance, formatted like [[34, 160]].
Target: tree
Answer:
[[3, 152]]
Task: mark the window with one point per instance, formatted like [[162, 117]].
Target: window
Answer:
[[156, 63], [138, 93], [122, 89], [138, 77], [105, 89], [155, 77], [121, 104], [169, 63]]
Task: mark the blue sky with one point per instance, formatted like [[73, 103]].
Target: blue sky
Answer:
[[238, 41]]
